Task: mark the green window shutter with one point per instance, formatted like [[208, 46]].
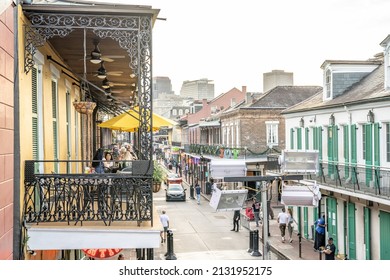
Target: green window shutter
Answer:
[[319, 138], [292, 138], [353, 153], [351, 232], [367, 232], [377, 161], [376, 145], [368, 152], [299, 138], [346, 150], [353, 144], [384, 233], [330, 150]]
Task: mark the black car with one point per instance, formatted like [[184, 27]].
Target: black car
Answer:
[[175, 192]]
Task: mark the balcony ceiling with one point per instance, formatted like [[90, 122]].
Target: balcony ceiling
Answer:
[[116, 60]]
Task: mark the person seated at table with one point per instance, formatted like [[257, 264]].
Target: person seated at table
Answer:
[[131, 151], [107, 162]]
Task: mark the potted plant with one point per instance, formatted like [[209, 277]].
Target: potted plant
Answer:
[[158, 176]]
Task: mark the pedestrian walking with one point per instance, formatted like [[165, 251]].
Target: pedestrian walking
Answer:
[[256, 211], [319, 240], [197, 191], [282, 221], [330, 250], [165, 223], [290, 224], [236, 220]]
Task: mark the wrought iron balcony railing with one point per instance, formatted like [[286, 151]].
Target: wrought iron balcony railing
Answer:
[[79, 197], [227, 152], [367, 179]]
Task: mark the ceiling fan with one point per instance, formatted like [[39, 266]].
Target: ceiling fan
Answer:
[[107, 84], [109, 91], [96, 56], [102, 73]]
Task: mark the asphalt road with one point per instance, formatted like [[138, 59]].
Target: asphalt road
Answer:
[[201, 233]]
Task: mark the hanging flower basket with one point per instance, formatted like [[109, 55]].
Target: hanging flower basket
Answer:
[[84, 107]]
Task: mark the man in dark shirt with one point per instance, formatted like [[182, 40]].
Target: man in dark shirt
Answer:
[[256, 211], [236, 220], [330, 249]]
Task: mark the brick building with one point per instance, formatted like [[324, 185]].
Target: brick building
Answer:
[[6, 130]]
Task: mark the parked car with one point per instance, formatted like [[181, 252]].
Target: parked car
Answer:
[[175, 190]]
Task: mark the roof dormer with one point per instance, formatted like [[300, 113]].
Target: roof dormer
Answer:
[[386, 51], [340, 75]]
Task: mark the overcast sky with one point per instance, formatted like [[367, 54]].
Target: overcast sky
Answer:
[[234, 42]]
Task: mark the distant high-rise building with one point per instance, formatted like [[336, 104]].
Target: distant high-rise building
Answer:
[[277, 78], [161, 85], [198, 89]]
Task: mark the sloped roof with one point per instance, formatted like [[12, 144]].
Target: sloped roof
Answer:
[[284, 96], [370, 88]]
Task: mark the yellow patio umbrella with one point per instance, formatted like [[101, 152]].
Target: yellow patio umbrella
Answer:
[[129, 121]]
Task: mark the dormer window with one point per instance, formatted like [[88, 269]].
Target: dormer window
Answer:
[[328, 83]]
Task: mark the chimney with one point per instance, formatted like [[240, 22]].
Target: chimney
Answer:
[[243, 89], [204, 102], [248, 97]]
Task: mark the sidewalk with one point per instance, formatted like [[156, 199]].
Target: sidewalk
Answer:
[[289, 251]]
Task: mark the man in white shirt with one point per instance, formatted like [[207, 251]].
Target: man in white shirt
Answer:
[[165, 223], [282, 220]]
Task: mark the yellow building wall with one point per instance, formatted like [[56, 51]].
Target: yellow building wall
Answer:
[[26, 107], [25, 116]]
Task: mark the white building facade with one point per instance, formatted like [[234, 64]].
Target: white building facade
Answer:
[[349, 124]]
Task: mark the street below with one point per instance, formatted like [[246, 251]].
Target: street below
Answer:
[[201, 233]]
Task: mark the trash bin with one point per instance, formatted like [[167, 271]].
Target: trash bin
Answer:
[[192, 192]]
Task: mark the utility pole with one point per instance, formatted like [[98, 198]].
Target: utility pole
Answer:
[[265, 219]]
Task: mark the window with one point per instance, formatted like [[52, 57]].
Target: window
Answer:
[[180, 112], [174, 112], [272, 133], [328, 83], [388, 142]]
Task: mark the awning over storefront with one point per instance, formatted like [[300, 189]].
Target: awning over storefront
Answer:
[[209, 124], [68, 238], [220, 168]]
